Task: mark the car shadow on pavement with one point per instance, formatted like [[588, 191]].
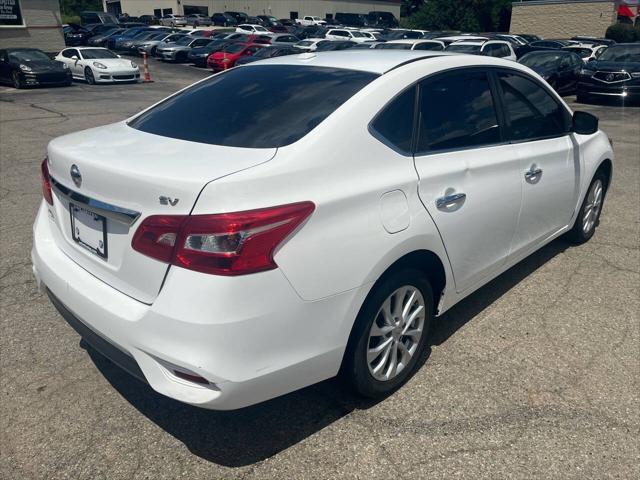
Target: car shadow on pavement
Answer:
[[243, 437]]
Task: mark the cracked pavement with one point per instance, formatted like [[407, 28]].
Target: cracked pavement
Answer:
[[536, 375]]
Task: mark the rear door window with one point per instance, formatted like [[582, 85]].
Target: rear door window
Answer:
[[264, 106], [457, 111]]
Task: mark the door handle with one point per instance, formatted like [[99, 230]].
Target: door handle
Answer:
[[533, 173], [449, 200]]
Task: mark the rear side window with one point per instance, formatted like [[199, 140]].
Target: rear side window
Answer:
[[263, 106], [429, 46], [531, 111], [395, 122], [457, 111]]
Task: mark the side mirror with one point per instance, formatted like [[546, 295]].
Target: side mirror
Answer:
[[584, 123], [75, 57]]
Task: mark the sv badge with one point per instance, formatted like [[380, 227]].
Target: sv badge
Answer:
[[168, 201]]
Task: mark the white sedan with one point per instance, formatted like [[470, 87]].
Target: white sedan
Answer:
[[98, 65], [253, 29], [343, 201]]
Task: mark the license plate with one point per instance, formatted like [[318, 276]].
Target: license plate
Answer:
[[89, 230]]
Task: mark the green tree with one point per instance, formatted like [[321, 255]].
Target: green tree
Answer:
[[466, 15], [74, 7]]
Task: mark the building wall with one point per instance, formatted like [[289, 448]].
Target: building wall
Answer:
[[277, 8], [563, 18], [42, 29]]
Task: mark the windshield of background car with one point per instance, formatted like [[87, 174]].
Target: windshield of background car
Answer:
[[234, 48], [29, 56], [186, 40], [463, 48], [621, 53], [541, 60], [267, 106], [95, 53]]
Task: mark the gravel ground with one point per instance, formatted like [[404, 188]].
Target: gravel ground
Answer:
[[534, 376]]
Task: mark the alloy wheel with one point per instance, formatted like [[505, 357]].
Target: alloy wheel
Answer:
[[88, 75], [396, 333], [17, 83], [592, 207]]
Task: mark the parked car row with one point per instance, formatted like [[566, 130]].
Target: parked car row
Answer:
[[586, 67]]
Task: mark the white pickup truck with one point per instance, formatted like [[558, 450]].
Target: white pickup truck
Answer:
[[309, 20]]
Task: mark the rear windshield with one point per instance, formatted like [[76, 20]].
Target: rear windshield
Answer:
[[393, 46], [463, 48], [262, 106]]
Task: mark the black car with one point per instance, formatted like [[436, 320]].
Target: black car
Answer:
[[148, 19], [559, 68], [382, 19], [101, 39], [268, 52], [529, 37], [75, 35], [268, 21], [352, 19], [240, 17], [330, 45], [223, 20], [198, 56], [26, 67], [616, 73]]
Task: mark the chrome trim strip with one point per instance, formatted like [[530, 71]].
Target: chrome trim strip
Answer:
[[612, 81], [118, 214], [623, 94]]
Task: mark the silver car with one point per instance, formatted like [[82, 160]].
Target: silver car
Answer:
[[171, 20], [179, 51], [196, 19], [150, 46], [284, 39]]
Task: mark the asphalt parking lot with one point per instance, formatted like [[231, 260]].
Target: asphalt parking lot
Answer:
[[536, 375]]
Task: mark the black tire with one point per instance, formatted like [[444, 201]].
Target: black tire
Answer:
[[355, 368], [88, 76], [16, 80], [580, 233], [153, 51]]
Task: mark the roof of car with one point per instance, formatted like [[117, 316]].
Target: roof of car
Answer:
[[379, 61], [411, 41]]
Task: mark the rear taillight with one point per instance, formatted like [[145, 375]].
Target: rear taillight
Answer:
[[46, 182], [222, 244]]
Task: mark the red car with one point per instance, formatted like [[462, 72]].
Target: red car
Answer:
[[228, 57]]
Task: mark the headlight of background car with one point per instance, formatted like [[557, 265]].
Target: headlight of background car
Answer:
[[99, 65], [65, 66], [586, 72], [134, 64], [25, 68]]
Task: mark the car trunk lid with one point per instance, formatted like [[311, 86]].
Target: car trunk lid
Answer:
[[124, 175]]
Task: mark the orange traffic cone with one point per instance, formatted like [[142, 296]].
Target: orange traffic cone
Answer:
[[147, 75]]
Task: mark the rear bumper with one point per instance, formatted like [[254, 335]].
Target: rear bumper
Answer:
[[164, 55], [252, 338]]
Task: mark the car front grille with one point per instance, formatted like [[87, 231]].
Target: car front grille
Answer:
[[123, 77], [612, 77]]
